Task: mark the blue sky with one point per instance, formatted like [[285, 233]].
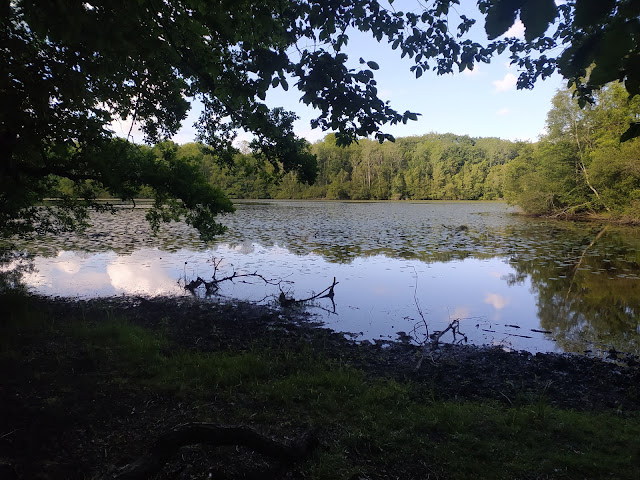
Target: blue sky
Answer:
[[481, 103]]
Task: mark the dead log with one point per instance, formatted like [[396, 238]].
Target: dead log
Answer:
[[215, 435]]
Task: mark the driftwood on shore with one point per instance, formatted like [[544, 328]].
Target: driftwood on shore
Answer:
[[168, 444]]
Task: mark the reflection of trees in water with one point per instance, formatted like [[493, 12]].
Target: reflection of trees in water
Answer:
[[587, 285], [338, 232], [590, 297], [13, 266]]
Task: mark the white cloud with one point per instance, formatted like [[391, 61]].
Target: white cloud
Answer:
[[497, 301], [242, 139], [140, 279], [123, 128], [507, 83], [68, 262], [472, 73], [503, 111], [459, 313], [516, 30]]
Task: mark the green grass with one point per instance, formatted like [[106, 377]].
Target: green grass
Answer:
[[368, 426]]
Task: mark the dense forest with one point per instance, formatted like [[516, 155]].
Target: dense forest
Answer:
[[430, 167], [578, 166], [581, 165]]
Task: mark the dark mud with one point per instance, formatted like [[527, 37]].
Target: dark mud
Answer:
[[60, 421], [449, 371]]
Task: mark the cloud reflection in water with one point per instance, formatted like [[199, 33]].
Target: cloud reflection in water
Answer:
[[375, 295]]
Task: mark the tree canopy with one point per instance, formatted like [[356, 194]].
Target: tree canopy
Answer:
[[580, 165], [428, 167], [70, 67]]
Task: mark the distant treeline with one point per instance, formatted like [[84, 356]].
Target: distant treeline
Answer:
[[430, 167], [580, 166]]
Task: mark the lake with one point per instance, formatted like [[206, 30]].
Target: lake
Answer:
[[521, 283]]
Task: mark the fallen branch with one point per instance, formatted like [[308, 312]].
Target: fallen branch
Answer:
[[288, 301], [415, 299], [571, 209], [541, 331], [454, 327], [429, 347], [213, 286], [170, 442]]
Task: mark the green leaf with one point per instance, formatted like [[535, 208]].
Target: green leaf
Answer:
[[411, 116], [536, 15], [632, 82], [590, 12], [501, 15], [373, 65], [615, 46]]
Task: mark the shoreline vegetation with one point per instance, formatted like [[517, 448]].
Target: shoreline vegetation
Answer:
[[87, 387], [602, 218], [578, 170]]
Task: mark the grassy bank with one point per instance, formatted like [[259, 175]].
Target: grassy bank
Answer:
[[114, 386]]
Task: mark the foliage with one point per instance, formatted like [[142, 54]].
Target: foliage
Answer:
[[433, 166], [581, 165], [600, 40], [70, 68]]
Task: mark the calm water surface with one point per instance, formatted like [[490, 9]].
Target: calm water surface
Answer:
[[502, 276]]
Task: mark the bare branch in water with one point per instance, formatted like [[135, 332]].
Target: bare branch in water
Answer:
[[212, 287], [417, 302], [326, 293], [430, 342]]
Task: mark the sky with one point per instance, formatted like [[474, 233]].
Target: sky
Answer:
[[480, 103]]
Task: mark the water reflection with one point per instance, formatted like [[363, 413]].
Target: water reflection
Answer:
[[376, 297], [82, 274], [588, 295], [502, 275], [497, 301]]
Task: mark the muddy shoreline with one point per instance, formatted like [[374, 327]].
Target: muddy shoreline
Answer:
[[447, 371], [66, 416]]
